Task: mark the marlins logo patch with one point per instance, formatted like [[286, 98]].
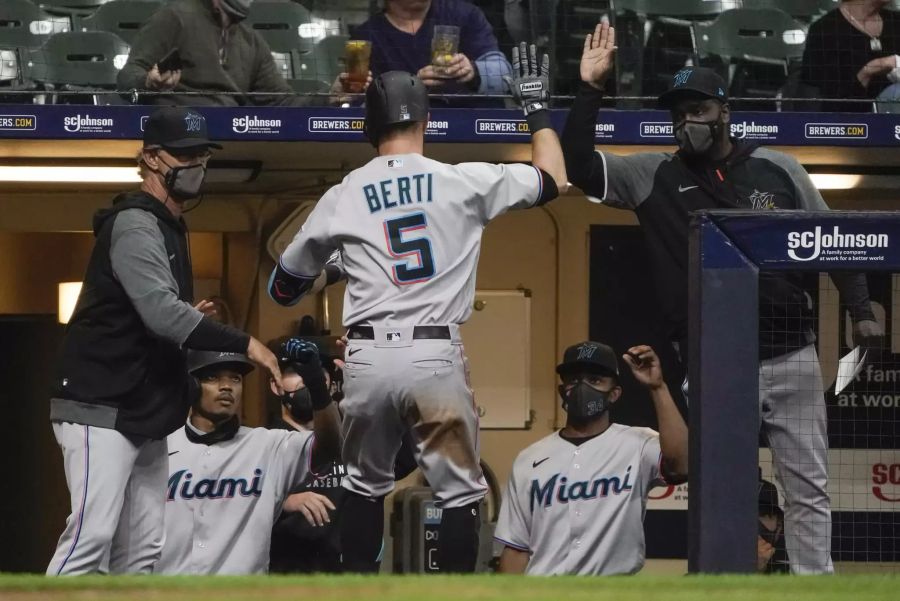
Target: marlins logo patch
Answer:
[[193, 122]]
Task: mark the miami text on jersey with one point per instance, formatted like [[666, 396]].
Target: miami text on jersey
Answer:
[[215, 488], [390, 193], [576, 491]]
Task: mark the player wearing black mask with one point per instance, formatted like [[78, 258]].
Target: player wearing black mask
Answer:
[[713, 169]]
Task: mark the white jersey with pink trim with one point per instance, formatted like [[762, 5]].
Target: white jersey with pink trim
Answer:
[[579, 509], [223, 498], [409, 230]]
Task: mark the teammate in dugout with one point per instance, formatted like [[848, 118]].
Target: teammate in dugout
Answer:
[[409, 230], [305, 538], [576, 499], [227, 482], [713, 170], [122, 384]]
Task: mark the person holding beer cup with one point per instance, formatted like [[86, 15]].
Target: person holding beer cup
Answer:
[[448, 44]]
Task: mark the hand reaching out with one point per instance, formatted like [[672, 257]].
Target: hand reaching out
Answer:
[[598, 56]]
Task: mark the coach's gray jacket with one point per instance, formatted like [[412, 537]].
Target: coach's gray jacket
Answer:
[[121, 364]]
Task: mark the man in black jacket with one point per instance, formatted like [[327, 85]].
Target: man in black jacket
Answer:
[[122, 384], [713, 170]]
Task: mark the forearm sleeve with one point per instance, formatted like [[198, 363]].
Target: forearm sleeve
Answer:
[[583, 166]]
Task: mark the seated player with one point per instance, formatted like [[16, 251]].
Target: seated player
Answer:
[[575, 500], [227, 483], [305, 538]]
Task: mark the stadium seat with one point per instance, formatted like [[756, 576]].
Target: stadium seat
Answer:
[[328, 57], [25, 25], [804, 10], [656, 41], [9, 66], [346, 13], [121, 17], [757, 44], [309, 86], [70, 4], [684, 9], [281, 25], [77, 61]]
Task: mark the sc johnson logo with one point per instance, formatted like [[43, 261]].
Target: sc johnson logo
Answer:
[[883, 473], [897, 132], [656, 129], [835, 246], [852, 131], [338, 125], [88, 124], [604, 130], [18, 122], [251, 124], [437, 128], [754, 131], [494, 127]]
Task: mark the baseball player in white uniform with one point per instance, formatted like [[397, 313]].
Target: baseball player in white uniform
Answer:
[[575, 500], [409, 230], [227, 482]]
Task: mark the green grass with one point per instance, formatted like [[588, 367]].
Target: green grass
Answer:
[[449, 588]]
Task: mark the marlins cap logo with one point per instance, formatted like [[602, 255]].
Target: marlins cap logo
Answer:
[[682, 77], [193, 122], [586, 351]]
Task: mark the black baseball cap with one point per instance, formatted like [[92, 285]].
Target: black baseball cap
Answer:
[[201, 360], [699, 80], [177, 128], [592, 357]]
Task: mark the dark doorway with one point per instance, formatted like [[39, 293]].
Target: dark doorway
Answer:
[[624, 312], [35, 502]]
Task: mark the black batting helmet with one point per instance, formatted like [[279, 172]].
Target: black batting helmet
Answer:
[[199, 361], [393, 98]]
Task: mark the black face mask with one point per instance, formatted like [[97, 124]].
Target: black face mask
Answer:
[[184, 183], [697, 137], [299, 404], [583, 401], [223, 431]]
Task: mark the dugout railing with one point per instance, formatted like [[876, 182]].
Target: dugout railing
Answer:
[[728, 250]]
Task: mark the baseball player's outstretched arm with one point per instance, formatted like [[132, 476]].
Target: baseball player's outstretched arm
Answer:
[[306, 258], [530, 87], [304, 356], [585, 169], [547, 155], [513, 561], [673, 432]]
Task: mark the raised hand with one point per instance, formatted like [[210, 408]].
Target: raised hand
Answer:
[[644, 366], [598, 56], [530, 85]]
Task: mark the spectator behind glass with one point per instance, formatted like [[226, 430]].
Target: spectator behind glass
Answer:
[[401, 41], [851, 53], [220, 55]]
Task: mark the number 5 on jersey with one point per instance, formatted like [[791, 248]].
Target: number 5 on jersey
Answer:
[[419, 247]]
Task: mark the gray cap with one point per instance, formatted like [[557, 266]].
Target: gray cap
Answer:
[[199, 360]]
